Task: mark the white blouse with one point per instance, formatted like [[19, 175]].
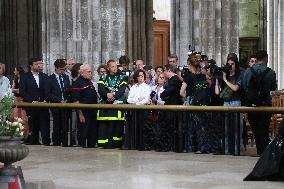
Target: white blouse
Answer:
[[5, 87], [158, 94], [139, 94]]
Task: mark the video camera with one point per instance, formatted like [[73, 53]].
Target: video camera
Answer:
[[218, 71], [183, 68]]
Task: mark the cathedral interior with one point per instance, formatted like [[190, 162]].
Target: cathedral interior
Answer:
[[95, 31]]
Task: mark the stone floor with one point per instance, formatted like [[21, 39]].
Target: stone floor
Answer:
[[77, 168]]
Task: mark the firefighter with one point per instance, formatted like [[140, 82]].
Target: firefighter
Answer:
[[83, 91], [112, 89]]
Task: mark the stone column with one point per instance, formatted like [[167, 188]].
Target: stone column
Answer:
[[275, 42], [211, 26], [181, 28], [20, 32], [91, 31], [140, 30]]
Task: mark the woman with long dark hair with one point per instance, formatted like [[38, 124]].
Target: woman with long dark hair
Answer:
[[229, 91], [17, 76], [228, 88], [19, 112]]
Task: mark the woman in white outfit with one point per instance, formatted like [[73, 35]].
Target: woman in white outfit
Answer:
[[140, 92], [5, 87], [157, 90]]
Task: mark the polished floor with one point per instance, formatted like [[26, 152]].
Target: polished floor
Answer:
[[77, 168]]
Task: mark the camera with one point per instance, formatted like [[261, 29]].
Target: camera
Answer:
[[216, 71], [183, 68]]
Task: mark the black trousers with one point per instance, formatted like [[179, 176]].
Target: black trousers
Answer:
[[110, 133], [87, 132], [260, 127], [60, 120], [39, 120]]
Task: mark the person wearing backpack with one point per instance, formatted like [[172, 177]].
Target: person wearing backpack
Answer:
[[258, 81]]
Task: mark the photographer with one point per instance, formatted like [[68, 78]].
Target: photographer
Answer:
[[228, 86], [197, 91]]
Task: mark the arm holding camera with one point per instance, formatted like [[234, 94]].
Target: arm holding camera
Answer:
[[234, 87], [182, 91], [217, 87]]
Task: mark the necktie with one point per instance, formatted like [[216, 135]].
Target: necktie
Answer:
[[61, 83], [61, 86]]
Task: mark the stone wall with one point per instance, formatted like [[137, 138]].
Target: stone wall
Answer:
[[91, 31], [162, 9], [211, 26], [20, 32]]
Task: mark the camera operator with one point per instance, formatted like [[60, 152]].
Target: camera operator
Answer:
[[228, 87], [197, 91]]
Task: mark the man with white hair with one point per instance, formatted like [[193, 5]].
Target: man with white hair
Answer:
[[84, 92]]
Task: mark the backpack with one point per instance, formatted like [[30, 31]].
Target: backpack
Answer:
[[256, 95], [201, 95]]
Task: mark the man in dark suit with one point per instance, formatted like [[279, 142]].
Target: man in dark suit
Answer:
[[33, 89], [57, 85], [171, 94], [170, 134]]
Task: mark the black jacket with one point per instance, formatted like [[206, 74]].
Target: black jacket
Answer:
[[29, 89], [84, 91], [54, 90], [171, 94]]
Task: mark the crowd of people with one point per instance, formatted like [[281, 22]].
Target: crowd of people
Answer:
[[200, 83]]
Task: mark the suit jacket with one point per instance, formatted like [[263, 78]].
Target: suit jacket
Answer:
[[171, 94], [29, 89], [54, 89]]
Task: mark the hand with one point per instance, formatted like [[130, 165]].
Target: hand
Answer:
[[82, 118], [153, 73], [110, 99], [110, 95]]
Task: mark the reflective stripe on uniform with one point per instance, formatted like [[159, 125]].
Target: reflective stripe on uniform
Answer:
[[101, 82], [124, 82], [102, 141], [117, 138], [119, 117]]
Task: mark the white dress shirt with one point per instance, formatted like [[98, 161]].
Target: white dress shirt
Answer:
[[36, 76], [139, 94], [58, 81]]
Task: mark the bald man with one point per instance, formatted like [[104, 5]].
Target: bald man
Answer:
[[84, 92]]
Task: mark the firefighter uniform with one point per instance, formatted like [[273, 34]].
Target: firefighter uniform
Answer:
[[111, 122], [84, 91]]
